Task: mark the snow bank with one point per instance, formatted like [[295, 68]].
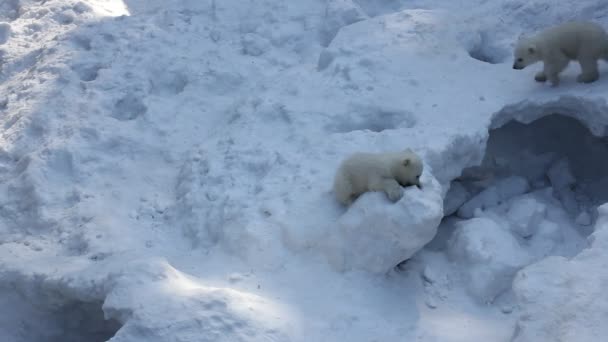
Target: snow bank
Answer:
[[562, 299], [376, 235], [206, 133], [221, 314]]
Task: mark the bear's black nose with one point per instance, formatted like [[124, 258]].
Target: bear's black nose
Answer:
[[514, 66]]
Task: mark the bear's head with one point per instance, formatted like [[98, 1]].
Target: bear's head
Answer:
[[407, 169], [526, 53]]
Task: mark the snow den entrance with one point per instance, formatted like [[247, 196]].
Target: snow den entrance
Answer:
[[534, 195]]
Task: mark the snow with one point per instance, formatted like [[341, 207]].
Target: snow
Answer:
[[166, 171]]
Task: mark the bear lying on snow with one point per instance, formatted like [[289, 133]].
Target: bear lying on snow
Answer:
[[387, 172], [371, 235], [585, 42]]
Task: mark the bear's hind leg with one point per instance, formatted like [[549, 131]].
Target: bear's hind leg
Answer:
[[589, 70]]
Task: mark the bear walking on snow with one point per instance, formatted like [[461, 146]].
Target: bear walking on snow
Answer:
[[585, 42], [387, 172]]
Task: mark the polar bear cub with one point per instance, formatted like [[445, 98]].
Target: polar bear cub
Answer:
[[585, 42], [387, 172]]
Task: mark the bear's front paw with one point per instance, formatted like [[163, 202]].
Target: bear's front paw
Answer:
[[395, 194], [540, 77], [587, 78]]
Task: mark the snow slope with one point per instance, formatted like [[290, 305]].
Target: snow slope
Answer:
[[166, 168]]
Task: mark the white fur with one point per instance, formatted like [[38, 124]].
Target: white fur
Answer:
[[585, 42], [386, 172]]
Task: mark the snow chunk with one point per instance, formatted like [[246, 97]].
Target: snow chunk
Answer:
[[375, 235], [500, 192], [547, 237], [564, 300], [489, 254], [525, 215]]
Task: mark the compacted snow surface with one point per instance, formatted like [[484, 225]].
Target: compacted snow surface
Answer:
[[166, 171]]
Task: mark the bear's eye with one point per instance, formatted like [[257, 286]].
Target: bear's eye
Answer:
[[520, 60], [418, 177]]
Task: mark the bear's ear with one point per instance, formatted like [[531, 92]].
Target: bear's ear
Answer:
[[406, 162]]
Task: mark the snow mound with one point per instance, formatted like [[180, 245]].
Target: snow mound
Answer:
[[489, 254], [564, 300], [144, 298], [222, 314], [375, 235]]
